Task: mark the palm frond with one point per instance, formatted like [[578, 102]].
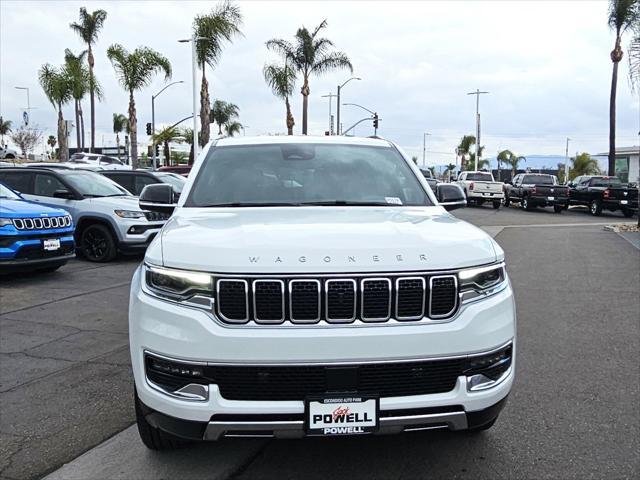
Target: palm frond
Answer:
[[89, 25], [332, 61], [281, 79], [623, 14], [218, 28], [634, 60], [55, 84], [119, 122]]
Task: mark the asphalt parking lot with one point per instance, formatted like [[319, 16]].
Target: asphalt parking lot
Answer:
[[65, 384]]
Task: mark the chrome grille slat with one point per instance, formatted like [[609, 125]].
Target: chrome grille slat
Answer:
[[340, 298], [28, 223], [305, 303], [18, 223], [443, 295], [238, 298], [375, 299], [268, 302], [410, 298], [46, 222]]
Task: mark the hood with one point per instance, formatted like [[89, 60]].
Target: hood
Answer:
[[24, 208], [322, 239], [125, 202]]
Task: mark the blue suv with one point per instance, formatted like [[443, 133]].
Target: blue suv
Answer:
[[33, 236]]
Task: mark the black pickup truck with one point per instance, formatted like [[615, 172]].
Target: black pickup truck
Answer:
[[603, 193], [533, 190]]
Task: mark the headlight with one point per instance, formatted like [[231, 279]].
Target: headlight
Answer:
[[178, 284], [129, 213], [482, 281], [5, 221]]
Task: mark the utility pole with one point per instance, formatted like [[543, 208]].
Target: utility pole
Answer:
[[330, 96], [566, 162], [424, 148], [477, 93]]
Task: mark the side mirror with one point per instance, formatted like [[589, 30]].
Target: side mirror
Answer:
[[158, 197], [66, 194], [450, 196]]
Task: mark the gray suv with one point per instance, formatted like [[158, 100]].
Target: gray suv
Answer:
[[107, 217]]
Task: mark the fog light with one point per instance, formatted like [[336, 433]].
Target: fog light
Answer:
[[489, 370], [173, 368]]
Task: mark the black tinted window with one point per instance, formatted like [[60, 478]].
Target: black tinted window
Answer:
[[538, 179], [46, 184], [18, 181], [142, 181], [125, 181], [606, 182], [480, 177]]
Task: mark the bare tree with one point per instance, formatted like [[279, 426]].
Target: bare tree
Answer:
[[26, 138]]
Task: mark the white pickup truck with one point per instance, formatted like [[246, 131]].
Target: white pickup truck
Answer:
[[480, 187]]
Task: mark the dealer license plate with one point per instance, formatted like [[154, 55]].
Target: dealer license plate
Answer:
[[551, 198], [342, 416], [51, 244], [624, 202], [487, 194]]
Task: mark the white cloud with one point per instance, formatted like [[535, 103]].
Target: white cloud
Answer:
[[547, 69]]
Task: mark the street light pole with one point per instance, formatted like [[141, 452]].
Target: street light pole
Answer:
[[194, 72], [28, 102], [566, 162], [477, 93], [330, 96], [424, 148], [338, 107], [153, 121]]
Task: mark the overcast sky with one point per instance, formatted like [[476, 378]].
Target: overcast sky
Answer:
[[545, 63]]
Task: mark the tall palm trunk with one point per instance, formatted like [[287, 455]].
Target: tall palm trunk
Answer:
[[81, 127], [305, 103], [205, 110], [616, 56], [133, 129], [191, 154], [167, 154], [62, 137], [290, 121], [118, 145], [77, 103], [92, 99]]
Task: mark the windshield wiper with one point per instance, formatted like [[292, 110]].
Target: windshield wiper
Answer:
[[350, 203], [251, 204]]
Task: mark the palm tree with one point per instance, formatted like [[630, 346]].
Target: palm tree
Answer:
[[509, 158], [5, 128], [433, 171], [224, 113], [282, 80], [88, 29], [79, 78], [450, 168], [583, 164], [232, 127], [214, 29], [51, 141], [464, 150], [309, 55], [135, 71], [164, 136], [187, 134], [58, 89], [622, 15], [119, 124], [634, 59]]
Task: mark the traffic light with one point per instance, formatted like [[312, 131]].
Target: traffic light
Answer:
[[157, 150], [148, 129], [375, 121]]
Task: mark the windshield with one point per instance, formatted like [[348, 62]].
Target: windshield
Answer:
[[175, 181], [6, 192], [606, 182], [305, 174], [480, 177], [94, 185], [539, 180]]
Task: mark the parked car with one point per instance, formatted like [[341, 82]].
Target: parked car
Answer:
[[480, 187], [7, 153], [533, 190], [179, 169], [603, 193], [66, 165], [135, 180], [32, 236], [316, 286], [104, 161], [107, 216]]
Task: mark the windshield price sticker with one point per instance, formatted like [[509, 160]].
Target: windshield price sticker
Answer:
[[342, 416], [393, 200]]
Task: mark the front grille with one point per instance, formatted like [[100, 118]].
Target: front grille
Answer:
[[300, 382], [335, 300], [42, 223], [35, 252]]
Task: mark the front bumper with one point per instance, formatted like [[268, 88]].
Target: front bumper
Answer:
[[135, 235], [193, 335], [25, 251]]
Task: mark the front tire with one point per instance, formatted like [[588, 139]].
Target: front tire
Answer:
[[595, 208], [152, 437], [526, 205], [507, 201], [558, 208], [97, 244]]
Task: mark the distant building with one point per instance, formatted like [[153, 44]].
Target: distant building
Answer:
[[627, 159]]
